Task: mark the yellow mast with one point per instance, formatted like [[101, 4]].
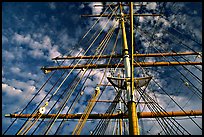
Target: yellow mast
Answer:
[[132, 115]]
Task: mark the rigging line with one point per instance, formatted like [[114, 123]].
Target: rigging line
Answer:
[[114, 128], [110, 56], [108, 111], [106, 40], [103, 123], [26, 131], [64, 90], [91, 27], [188, 61], [56, 102], [193, 90], [154, 107], [122, 99], [176, 103], [181, 73], [175, 38], [26, 123], [77, 63], [101, 30], [30, 92], [73, 87], [189, 99], [105, 86], [89, 108], [41, 100], [74, 102], [182, 65], [80, 59], [98, 21], [146, 105], [185, 59], [178, 40], [100, 95], [158, 120], [45, 96], [180, 31], [188, 70], [183, 118], [159, 108], [165, 17], [31, 99], [66, 100]]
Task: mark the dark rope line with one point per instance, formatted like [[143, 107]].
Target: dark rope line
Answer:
[[31, 100], [68, 111], [161, 109], [155, 108], [69, 95], [42, 101], [65, 90], [158, 120], [46, 95], [182, 74], [102, 125], [176, 103]]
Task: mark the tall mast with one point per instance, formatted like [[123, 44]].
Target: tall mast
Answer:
[[129, 73]]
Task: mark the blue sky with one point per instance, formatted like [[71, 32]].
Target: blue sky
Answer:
[[35, 32]]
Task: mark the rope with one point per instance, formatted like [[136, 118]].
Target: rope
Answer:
[[82, 120], [110, 58], [65, 91], [74, 102], [30, 101]]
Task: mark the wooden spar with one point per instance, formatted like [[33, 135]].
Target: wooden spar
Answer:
[[106, 101], [99, 5], [135, 55], [108, 15], [110, 101], [113, 116], [138, 64]]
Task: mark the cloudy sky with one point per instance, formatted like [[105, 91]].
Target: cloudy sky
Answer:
[[34, 32]]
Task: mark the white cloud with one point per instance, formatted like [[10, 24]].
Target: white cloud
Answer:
[[38, 49], [81, 6], [20, 39], [15, 69], [151, 5], [54, 52], [46, 42], [141, 19], [11, 91], [52, 5], [38, 54], [7, 55], [4, 40]]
